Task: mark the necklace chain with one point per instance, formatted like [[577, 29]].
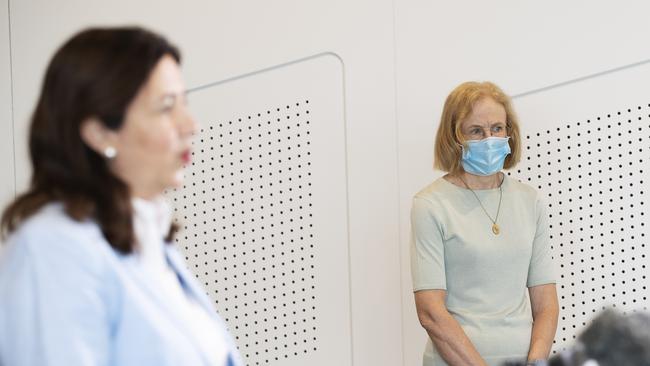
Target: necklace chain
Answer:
[[495, 227]]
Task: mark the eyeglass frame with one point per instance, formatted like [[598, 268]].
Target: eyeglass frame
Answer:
[[502, 132]]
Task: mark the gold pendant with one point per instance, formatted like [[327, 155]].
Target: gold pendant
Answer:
[[495, 229]]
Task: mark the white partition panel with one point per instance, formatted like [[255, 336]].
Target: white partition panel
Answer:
[[7, 181], [587, 150], [263, 211]]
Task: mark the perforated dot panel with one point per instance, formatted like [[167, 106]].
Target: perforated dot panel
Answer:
[[261, 224], [592, 172], [256, 216]]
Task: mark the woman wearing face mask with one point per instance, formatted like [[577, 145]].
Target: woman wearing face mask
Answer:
[[480, 253], [89, 275]]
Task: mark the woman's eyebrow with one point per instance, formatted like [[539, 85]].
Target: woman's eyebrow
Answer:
[[167, 98], [490, 124], [169, 95]]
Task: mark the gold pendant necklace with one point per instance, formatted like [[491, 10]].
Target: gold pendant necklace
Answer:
[[495, 227]]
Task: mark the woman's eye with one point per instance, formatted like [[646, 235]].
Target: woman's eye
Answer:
[[168, 104], [166, 110]]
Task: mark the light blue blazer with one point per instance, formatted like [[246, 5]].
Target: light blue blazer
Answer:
[[68, 299]]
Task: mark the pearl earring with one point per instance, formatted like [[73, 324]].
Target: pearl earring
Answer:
[[110, 152]]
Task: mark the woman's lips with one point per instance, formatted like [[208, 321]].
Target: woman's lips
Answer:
[[186, 156]]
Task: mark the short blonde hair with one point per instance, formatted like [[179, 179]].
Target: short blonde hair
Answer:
[[458, 107]]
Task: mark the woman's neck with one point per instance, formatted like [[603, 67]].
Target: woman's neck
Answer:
[[477, 181]]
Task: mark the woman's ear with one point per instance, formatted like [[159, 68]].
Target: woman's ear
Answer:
[[97, 136]]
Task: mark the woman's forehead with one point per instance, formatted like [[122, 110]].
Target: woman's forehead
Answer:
[[486, 112], [165, 79]]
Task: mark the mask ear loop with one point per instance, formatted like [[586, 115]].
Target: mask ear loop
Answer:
[[508, 131], [463, 148]]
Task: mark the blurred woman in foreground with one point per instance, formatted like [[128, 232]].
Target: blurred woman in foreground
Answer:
[[89, 276]]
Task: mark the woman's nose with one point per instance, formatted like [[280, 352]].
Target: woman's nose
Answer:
[[188, 125]]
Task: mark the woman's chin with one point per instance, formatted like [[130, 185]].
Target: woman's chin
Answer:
[[178, 179]]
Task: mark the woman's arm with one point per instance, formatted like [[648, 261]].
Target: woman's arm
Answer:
[[543, 299], [446, 334], [53, 299]]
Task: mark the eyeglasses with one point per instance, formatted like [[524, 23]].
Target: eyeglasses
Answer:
[[479, 133]]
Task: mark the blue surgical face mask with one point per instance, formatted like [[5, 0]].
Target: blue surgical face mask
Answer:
[[485, 157]]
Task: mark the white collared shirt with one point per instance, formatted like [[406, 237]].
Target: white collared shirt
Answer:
[[151, 222]]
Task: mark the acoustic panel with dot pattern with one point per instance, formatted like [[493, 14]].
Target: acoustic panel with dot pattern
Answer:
[[586, 149], [263, 211]]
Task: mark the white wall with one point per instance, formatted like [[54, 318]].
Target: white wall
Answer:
[[6, 122], [221, 39], [522, 46], [401, 58]]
